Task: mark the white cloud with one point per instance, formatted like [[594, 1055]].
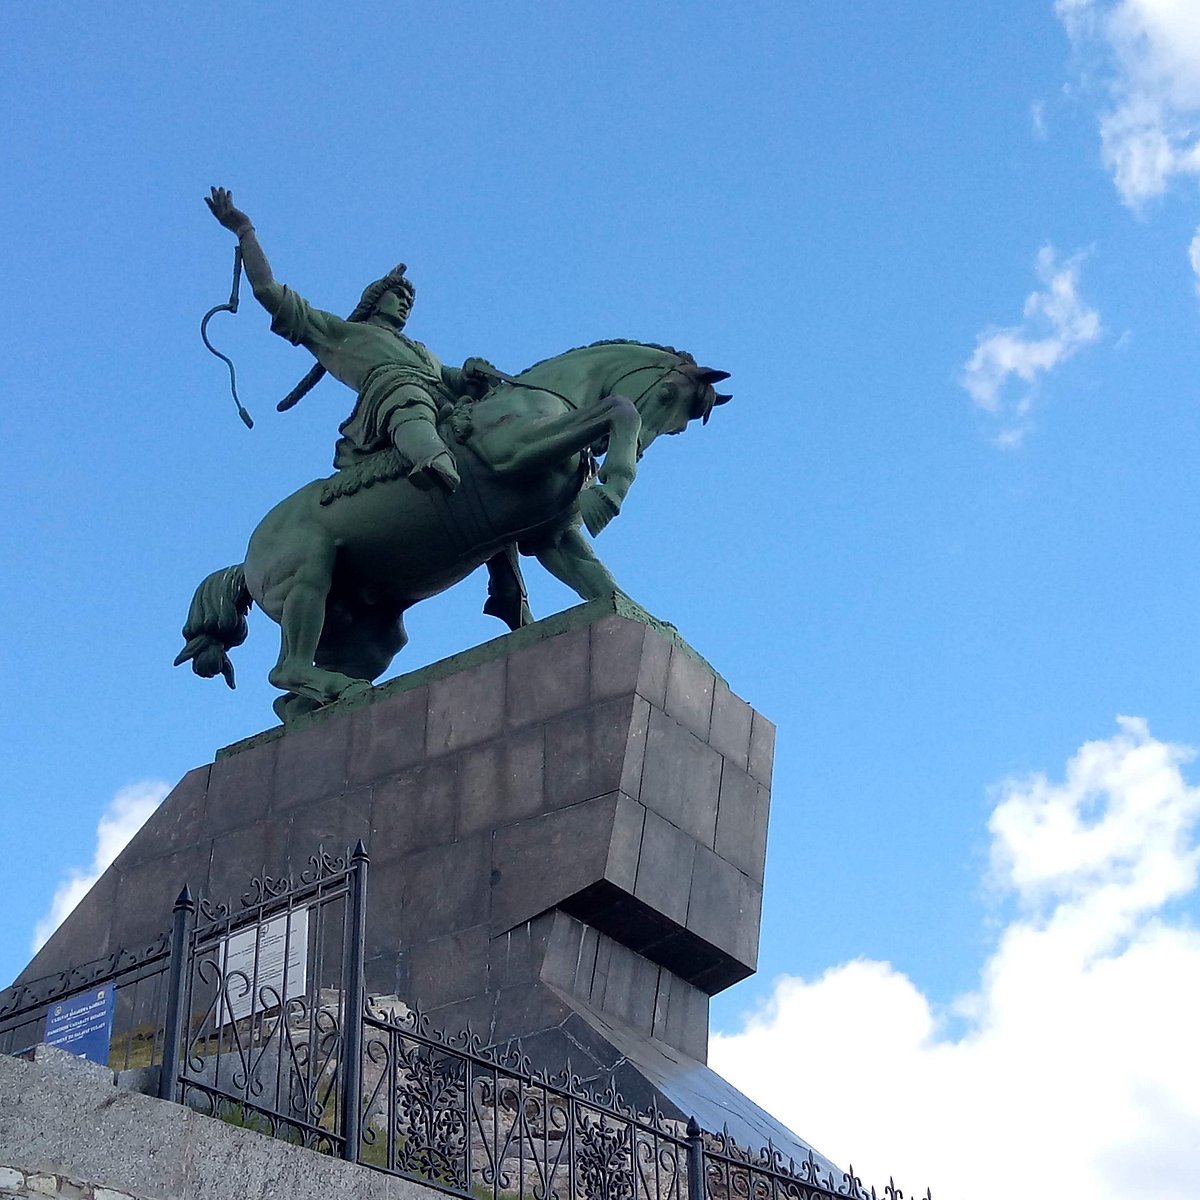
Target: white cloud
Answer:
[[1194, 257], [1037, 118], [1074, 1068], [1057, 324], [125, 815], [1147, 55]]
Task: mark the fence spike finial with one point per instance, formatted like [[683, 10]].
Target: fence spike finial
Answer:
[[360, 852], [185, 900]]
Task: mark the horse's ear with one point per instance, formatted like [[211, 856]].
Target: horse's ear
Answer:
[[724, 397], [709, 375]]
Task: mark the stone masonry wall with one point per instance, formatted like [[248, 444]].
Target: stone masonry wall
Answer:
[[35, 1185], [66, 1131]]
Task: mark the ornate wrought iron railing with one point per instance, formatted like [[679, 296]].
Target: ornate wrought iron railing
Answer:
[[258, 1015], [478, 1123], [262, 1021], [731, 1172], [484, 1124], [137, 1032]]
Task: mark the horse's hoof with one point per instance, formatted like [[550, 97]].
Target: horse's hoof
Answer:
[[356, 690], [291, 707]]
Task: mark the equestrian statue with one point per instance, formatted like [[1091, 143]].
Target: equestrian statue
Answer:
[[439, 470]]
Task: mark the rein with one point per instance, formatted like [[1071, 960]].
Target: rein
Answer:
[[646, 367], [231, 306], [535, 387]]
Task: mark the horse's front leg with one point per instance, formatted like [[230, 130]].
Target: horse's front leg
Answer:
[[569, 557], [545, 443], [602, 501]]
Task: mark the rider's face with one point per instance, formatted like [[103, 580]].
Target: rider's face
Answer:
[[392, 306]]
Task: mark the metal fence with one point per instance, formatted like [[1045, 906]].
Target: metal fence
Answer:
[[140, 980], [262, 1020], [486, 1125], [257, 1014]]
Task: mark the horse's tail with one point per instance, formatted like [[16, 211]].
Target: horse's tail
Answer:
[[216, 622]]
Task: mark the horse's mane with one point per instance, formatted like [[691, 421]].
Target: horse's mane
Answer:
[[614, 342]]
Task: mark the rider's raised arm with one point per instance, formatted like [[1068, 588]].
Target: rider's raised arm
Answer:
[[267, 290], [254, 261]]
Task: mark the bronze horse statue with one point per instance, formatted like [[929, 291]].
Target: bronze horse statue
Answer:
[[339, 562]]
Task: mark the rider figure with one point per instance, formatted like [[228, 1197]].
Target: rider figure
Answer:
[[400, 385]]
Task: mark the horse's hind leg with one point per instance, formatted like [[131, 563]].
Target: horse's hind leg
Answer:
[[362, 639], [297, 599]]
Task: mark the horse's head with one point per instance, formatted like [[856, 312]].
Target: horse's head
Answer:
[[684, 393]]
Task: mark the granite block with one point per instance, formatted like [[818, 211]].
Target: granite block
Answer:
[[625, 846], [635, 747], [146, 893], [513, 955], [600, 971], [501, 781], [686, 1023], [585, 962], [562, 951], [548, 678], [465, 708], [177, 822], [616, 657], [681, 778], [586, 752], [665, 868], [413, 811], [539, 862], [742, 821], [762, 749], [745, 948], [239, 856], [385, 964], [617, 996], [647, 978], [689, 696], [449, 968], [526, 1010], [387, 736], [476, 1013], [240, 787], [310, 763], [446, 887], [88, 931], [714, 908], [335, 826], [652, 674], [729, 732], [619, 915]]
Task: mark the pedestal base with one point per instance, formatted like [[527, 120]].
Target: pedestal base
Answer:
[[567, 833]]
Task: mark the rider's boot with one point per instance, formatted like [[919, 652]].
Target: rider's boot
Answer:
[[430, 459]]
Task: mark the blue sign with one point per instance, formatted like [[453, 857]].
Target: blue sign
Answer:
[[82, 1025]]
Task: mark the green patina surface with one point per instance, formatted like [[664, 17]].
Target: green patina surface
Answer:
[[582, 615], [439, 470]]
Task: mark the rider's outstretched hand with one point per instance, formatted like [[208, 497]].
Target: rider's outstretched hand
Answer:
[[478, 375], [220, 204]]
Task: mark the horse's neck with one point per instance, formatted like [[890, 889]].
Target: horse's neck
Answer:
[[591, 371]]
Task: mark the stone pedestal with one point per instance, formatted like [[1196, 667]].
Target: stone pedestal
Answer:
[[567, 832]]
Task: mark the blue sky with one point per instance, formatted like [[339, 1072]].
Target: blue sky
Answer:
[[944, 535]]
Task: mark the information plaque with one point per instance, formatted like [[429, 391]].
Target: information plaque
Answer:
[[265, 965], [82, 1024]]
